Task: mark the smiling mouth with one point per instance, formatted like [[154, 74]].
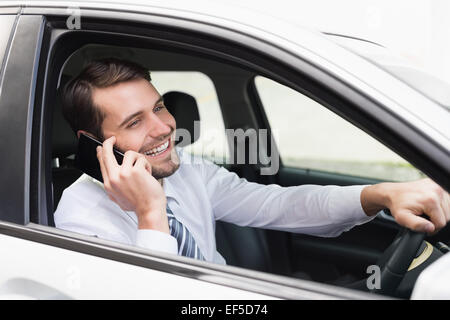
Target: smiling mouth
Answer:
[[158, 150]]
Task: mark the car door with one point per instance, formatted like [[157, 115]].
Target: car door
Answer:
[[44, 262]]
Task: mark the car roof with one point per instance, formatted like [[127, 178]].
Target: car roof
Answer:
[[405, 69]]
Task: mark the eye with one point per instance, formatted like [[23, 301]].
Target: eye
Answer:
[[134, 123], [159, 108]]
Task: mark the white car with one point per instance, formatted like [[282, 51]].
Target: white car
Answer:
[[314, 93]]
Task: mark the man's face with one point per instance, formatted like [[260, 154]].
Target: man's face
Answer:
[[135, 114]]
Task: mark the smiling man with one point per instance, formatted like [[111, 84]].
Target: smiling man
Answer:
[[157, 199]]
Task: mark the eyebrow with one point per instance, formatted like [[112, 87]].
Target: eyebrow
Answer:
[[130, 117]]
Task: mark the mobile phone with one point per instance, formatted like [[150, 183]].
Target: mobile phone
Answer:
[[86, 157]]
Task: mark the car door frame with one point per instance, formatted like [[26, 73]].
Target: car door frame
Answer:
[[347, 111]]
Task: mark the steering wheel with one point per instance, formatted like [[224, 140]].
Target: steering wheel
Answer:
[[397, 258]]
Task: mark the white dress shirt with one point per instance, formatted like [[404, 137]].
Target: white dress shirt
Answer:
[[199, 193]]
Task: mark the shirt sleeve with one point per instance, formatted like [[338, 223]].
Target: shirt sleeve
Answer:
[[145, 238], [156, 240], [86, 210], [310, 209]]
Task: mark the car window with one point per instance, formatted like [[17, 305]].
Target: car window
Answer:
[[212, 142], [310, 136]]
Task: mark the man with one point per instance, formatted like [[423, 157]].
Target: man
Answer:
[[158, 200]]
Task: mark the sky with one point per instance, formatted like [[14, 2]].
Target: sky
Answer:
[[418, 30]]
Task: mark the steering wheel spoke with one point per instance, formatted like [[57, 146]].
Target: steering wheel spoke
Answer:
[[398, 260]]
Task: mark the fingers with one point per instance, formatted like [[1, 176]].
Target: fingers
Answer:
[[109, 160], [136, 160], [418, 201], [142, 163], [435, 209], [446, 205], [414, 222], [102, 166], [437, 217], [130, 158]]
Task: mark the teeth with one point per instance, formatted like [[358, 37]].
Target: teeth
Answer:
[[158, 150]]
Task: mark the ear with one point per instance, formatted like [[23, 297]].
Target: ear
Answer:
[[84, 132]]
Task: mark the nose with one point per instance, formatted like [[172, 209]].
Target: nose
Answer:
[[158, 128]]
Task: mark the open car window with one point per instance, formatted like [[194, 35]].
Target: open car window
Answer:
[[312, 137]]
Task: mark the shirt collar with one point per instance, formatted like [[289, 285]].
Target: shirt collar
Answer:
[[169, 189], [169, 185]]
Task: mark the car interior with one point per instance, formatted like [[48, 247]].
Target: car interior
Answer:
[[340, 261]]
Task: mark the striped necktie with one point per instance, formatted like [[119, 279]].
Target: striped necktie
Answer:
[[186, 242]]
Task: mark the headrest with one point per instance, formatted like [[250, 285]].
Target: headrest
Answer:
[[184, 109], [181, 105], [64, 141]]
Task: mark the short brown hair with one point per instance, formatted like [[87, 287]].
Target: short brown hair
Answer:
[[78, 107]]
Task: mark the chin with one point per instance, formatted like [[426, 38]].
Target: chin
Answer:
[[165, 170]]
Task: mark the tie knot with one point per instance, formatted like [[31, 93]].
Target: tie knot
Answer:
[[169, 212]]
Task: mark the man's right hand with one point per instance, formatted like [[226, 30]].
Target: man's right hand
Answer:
[[132, 186]]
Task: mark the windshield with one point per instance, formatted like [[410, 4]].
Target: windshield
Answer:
[[432, 87]]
